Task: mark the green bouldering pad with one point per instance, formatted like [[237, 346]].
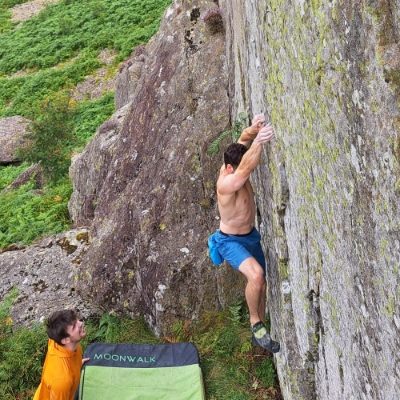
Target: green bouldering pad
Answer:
[[145, 372]]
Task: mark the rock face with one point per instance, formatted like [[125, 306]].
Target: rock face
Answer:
[[43, 275], [145, 183], [328, 190], [12, 136], [129, 76]]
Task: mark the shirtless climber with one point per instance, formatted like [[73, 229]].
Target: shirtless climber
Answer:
[[238, 241]]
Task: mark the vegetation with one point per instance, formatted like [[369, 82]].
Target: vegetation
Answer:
[[232, 369], [5, 15], [41, 63], [21, 355], [50, 138], [59, 47], [233, 134], [27, 213], [8, 174], [88, 116]]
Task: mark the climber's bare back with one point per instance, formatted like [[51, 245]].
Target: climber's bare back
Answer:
[[236, 209]]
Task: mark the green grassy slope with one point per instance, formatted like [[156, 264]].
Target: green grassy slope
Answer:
[[43, 58]]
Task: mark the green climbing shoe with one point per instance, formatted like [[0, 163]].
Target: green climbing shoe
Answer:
[[262, 338]]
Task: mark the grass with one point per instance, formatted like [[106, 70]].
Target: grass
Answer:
[[52, 52], [71, 30], [26, 213], [24, 95], [232, 369], [89, 115], [9, 173], [5, 14], [63, 30]]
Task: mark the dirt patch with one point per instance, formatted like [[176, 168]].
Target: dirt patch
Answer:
[[94, 86], [22, 12], [107, 56], [102, 81]]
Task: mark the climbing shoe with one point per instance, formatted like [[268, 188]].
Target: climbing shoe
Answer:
[[262, 338]]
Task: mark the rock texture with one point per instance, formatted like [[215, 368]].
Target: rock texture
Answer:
[[129, 76], [146, 185], [328, 189], [12, 136], [44, 276]]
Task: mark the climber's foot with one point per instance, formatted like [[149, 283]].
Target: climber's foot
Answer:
[[262, 338]]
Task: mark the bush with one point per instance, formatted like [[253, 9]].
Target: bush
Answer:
[[49, 136]]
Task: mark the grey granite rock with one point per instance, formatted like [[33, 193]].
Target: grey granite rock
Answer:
[[328, 188], [12, 136], [44, 276]]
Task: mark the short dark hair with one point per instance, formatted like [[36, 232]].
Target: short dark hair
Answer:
[[234, 153], [58, 323]]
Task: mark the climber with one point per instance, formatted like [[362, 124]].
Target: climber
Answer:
[[62, 366], [237, 240]]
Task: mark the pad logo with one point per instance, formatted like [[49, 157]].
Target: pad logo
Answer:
[[124, 358]]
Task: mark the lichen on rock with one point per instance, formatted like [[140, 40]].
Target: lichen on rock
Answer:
[[327, 75]]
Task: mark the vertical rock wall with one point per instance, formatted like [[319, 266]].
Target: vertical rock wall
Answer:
[[328, 189]]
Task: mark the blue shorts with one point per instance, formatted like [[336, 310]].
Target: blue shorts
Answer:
[[237, 248]]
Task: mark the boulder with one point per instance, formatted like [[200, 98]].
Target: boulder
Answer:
[[44, 277], [12, 136], [146, 184]]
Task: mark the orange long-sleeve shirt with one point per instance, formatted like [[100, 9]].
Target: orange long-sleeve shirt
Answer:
[[61, 373]]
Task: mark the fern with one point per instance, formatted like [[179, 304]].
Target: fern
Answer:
[[234, 133], [213, 149]]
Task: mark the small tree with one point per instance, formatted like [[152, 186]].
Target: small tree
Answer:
[[50, 137]]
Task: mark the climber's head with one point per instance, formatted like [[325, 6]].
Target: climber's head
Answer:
[[233, 155]]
